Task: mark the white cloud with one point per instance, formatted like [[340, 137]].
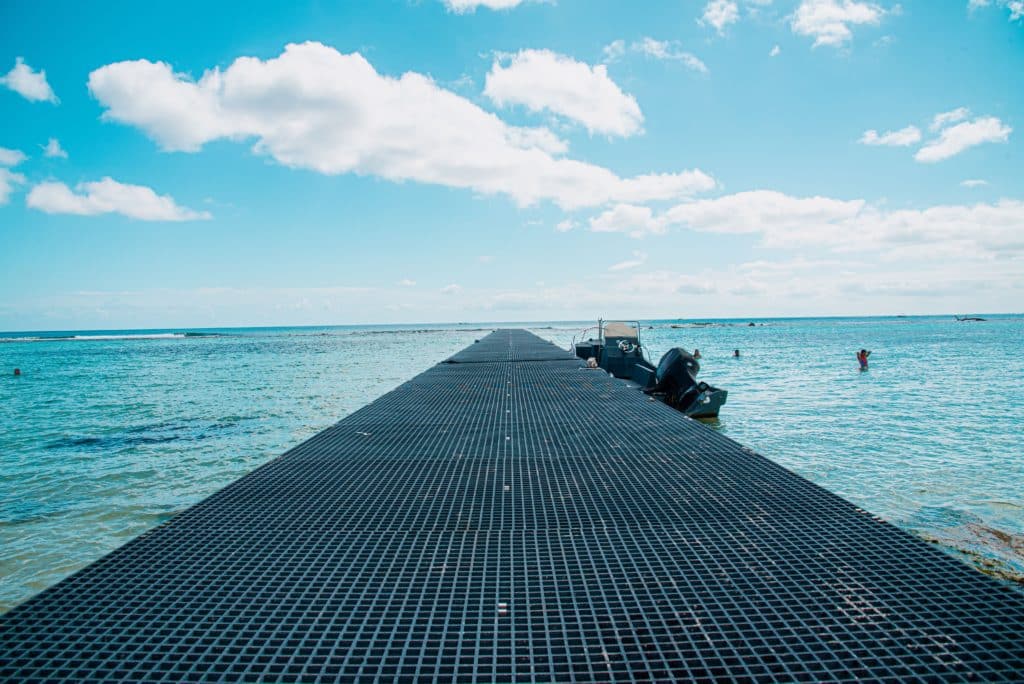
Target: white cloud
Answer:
[[667, 285], [544, 80], [536, 138], [639, 259], [565, 226], [945, 118], [981, 231], [315, 108], [406, 282], [719, 14], [901, 138], [464, 6], [9, 157], [974, 183], [780, 218], [8, 180], [52, 148], [485, 258], [665, 50], [829, 21], [668, 50], [28, 83], [956, 139], [804, 283], [108, 196], [774, 52], [614, 50], [953, 137], [452, 289], [637, 221], [1016, 7]]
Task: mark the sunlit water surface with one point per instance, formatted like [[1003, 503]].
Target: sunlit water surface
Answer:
[[106, 437]]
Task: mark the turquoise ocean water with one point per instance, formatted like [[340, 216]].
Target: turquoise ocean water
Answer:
[[107, 434]]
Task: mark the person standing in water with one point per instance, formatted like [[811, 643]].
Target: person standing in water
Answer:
[[696, 353], [862, 359], [736, 354]]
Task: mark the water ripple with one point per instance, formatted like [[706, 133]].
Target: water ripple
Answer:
[[103, 439]]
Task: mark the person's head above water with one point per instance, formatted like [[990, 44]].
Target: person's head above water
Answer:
[[736, 352]]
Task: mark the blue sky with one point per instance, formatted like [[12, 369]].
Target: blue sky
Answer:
[[462, 160]]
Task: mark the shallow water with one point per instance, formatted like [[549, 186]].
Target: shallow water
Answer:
[[106, 437]]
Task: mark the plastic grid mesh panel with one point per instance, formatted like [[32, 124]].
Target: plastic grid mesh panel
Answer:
[[509, 520], [510, 345]]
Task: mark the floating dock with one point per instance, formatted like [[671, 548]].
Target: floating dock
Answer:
[[509, 515]]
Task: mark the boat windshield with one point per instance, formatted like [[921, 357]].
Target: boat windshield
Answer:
[[622, 329]]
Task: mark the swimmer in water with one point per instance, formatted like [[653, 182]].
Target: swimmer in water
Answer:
[[736, 354], [696, 353], [862, 359]]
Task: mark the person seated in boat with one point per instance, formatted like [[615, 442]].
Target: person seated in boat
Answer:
[[862, 359], [736, 354], [696, 353]]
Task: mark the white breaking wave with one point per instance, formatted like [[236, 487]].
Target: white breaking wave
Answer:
[[140, 336], [88, 338]]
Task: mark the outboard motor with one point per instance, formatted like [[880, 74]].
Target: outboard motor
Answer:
[[676, 378]]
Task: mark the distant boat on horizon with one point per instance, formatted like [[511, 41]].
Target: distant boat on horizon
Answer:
[[964, 319]]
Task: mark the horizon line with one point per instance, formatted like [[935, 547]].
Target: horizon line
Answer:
[[491, 323]]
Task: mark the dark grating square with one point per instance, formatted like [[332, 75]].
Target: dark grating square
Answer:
[[509, 515]]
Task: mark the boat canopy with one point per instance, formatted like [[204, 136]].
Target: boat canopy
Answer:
[[620, 329]]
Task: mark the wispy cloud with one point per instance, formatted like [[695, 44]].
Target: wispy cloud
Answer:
[[9, 157], [639, 259], [8, 181], [614, 50], [108, 196], [983, 231], [1015, 7], [955, 139], [973, 183], [29, 83], [943, 119], [668, 50], [901, 138], [464, 6], [53, 149]]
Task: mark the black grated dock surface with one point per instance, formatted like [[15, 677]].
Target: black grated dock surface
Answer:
[[511, 516]]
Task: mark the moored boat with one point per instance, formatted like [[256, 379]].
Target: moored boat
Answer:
[[618, 350]]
